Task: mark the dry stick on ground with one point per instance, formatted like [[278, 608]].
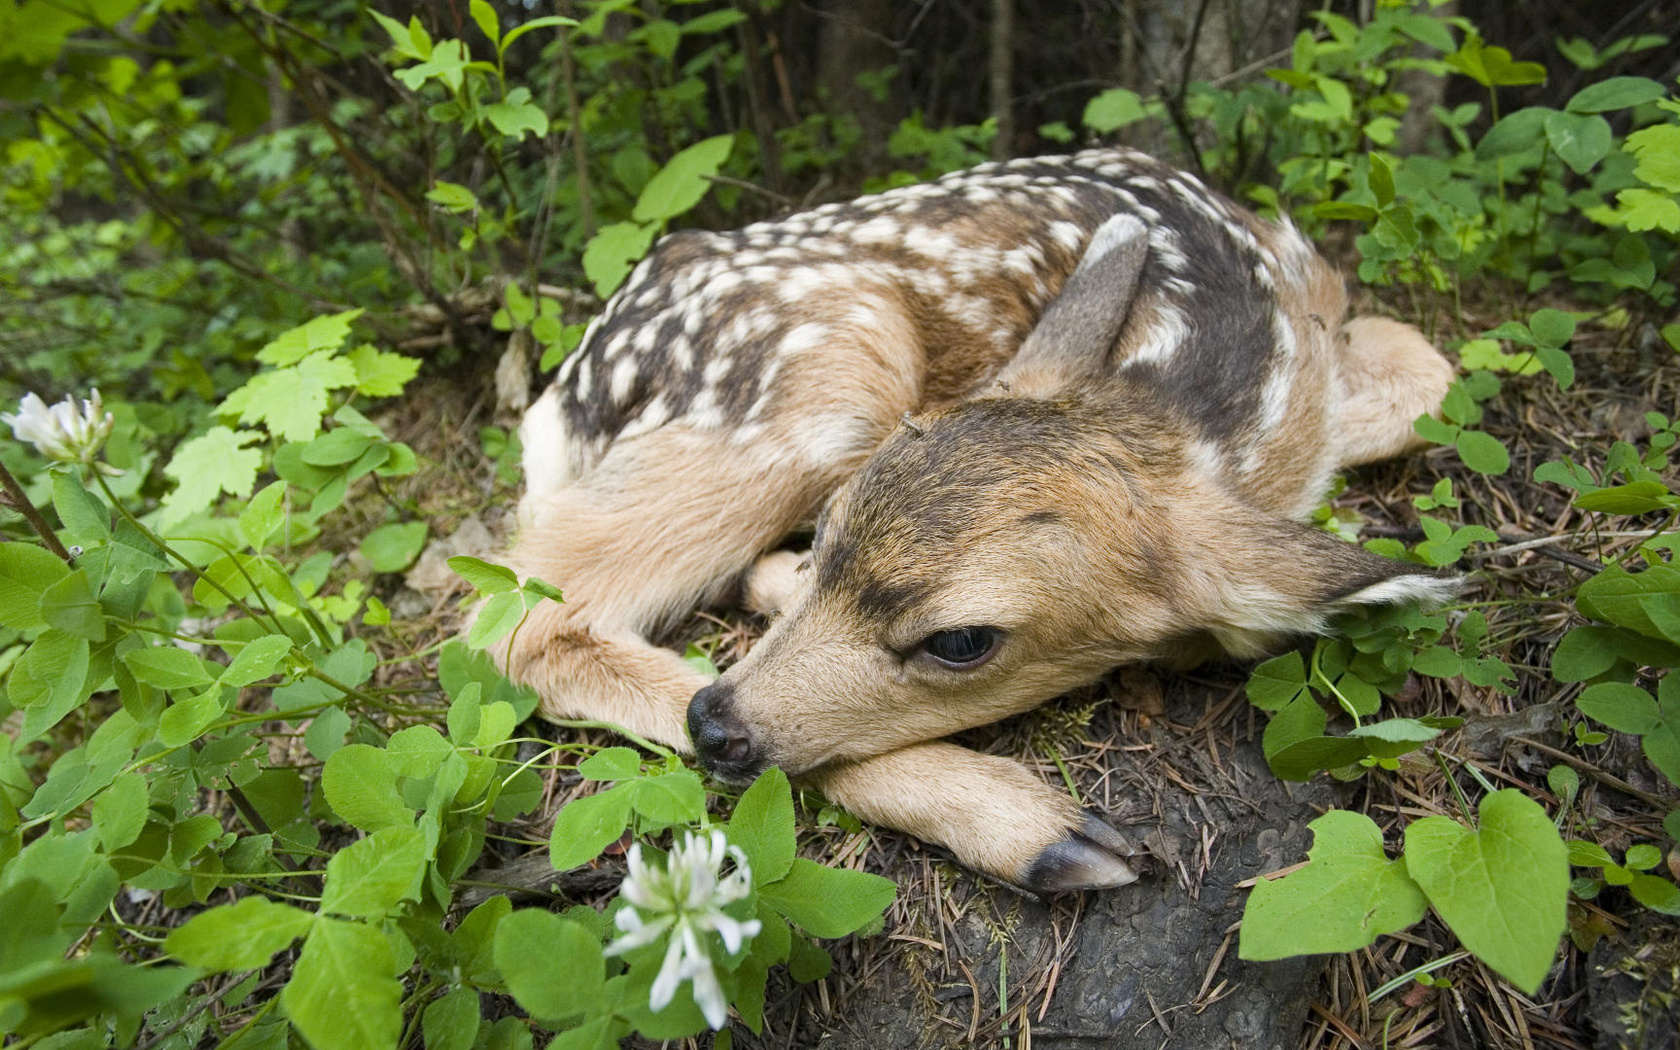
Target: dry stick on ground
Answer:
[[1607, 779]]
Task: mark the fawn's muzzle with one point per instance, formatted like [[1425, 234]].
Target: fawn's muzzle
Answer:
[[722, 740]]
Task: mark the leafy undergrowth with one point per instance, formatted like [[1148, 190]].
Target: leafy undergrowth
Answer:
[[254, 790]]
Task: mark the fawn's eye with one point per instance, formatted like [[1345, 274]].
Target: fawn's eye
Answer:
[[964, 648]]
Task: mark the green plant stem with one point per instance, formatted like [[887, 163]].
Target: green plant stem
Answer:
[[1673, 516], [1413, 974], [262, 1011], [274, 626], [1067, 777], [1534, 226], [648, 745], [352, 691], [240, 566], [1346, 704], [20, 503], [1452, 782]]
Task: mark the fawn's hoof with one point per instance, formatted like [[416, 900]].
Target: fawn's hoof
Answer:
[[1091, 857]]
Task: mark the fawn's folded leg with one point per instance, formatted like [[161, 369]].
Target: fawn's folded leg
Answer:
[[992, 813]]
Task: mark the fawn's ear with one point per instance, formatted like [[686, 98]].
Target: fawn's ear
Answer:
[[1078, 328], [1289, 579]]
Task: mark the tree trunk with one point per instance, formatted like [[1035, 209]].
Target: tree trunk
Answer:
[[854, 40]]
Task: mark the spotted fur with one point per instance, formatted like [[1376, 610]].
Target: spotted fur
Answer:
[[1081, 400]]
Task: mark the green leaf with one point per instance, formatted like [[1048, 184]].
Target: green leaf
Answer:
[[1515, 133], [185, 720], [451, 1021], [609, 254], [326, 332], [1482, 452], [471, 943], [326, 732], [119, 812], [1431, 429], [517, 115], [1662, 743], [1502, 889], [553, 968], [1583, 653], [70, 606], [1277, 682], [263, 515], [342, 995], [1302, 759], [1394, 737], [1656, 893], [807, 962], [684, 179], [611, 763], [485, 15], [1112, 110], [1348, 895], [535, 23], [290, 401], [400, 36], [465, 712], [1382, 180], [485, 577], [207, 466], [167, 667], [1642, 857], [371, 877], [393, 547], [586, 826], [381, 374], [1565, 783], [498, 616], [338, 447], [671, 798], [1658, 150], [242, 936], [257, 660], [1552, 327], [496, 722], [361, 787], [1295, 721], [452, 197], [1584, 854], [26, 571], [1345, 210], [828, 902], [49, 679], [1438, 661], [540, 589], [762, 825], [1617, 596], [1638, 497], [1615, 93], [1580, 140], [1557, 363], [85, 518]]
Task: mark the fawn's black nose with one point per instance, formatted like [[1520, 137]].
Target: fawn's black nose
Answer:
[[722, 740]]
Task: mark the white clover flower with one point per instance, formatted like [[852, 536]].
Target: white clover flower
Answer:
[[686, 899], [62, 432]]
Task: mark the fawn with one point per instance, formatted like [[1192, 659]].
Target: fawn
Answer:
[[1047, 417]]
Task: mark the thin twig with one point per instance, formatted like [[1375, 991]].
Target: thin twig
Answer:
[[19, 502]]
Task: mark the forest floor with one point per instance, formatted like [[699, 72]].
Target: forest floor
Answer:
[[1174, 761]]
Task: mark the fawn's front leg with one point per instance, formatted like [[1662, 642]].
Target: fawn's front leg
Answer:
[[993, 813]]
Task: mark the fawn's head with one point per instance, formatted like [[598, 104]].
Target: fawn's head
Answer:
[[994, 554]]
